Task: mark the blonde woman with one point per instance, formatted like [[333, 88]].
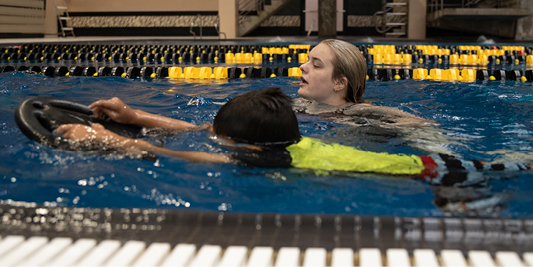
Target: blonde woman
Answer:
[[334, 80], [333, 83]]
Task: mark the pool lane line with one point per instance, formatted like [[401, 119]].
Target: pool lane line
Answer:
[[453, 74]]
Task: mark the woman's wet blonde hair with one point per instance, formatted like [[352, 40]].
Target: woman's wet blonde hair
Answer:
[[350, 63]]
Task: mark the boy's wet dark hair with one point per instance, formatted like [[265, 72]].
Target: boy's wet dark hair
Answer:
[[263, 117]]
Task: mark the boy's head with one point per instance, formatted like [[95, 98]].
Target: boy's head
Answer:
[[263, 117]]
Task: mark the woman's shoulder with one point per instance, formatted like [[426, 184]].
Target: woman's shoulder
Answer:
[[313, 107], [362, 109], [387, 115], [353, 113]]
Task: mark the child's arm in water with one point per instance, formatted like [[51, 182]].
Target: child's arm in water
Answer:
[[120, 112], [98, 134]]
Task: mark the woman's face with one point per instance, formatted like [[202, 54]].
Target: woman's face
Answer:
[[317, 75]]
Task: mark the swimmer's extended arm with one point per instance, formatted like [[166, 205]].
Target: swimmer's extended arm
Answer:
[[98, 134], [120, 112], [192, 156]]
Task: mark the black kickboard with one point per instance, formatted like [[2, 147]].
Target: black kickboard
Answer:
[[38, 117]]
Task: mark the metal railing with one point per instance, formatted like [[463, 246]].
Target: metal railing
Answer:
[[435, 5], [217, 29], [246, 7], [201, 25], [394, 15], [64, 20], [507, 4], [311, 28], [470, 3]]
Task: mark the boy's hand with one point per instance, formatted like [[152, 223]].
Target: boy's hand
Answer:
[[96, 134], [115, 109]]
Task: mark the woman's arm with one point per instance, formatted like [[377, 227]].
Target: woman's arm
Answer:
[[99, 135], [120, 112], [388, 115]]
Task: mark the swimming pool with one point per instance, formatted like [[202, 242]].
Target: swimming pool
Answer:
[[486, 120]]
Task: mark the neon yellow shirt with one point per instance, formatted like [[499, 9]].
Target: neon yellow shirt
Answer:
[[311, 153]]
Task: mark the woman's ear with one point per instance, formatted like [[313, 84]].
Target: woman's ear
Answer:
[[341, 84]]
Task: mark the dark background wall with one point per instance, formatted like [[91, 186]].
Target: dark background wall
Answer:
[[357, 19], [289, 21], [123, 23], [294, 9]]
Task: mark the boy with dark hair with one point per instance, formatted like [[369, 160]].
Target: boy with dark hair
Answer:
[[258, 125], [262, 121], [263, 117], [262, 130]]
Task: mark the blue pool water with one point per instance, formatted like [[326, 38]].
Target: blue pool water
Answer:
[[486, 121]]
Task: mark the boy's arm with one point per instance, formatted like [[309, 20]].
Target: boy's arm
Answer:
[[120, 112], [192, 156], [98, 134]]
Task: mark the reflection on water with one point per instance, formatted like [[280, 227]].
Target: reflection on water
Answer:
[[489, 122], [471, 201]]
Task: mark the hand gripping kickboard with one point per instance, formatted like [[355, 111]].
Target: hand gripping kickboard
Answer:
[[38, 117]]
